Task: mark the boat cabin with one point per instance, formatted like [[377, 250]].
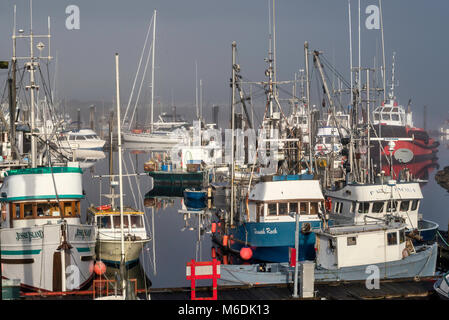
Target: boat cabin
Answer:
[[108, 222], [391, 113], [359, 204], [273, 201], [28, 195], [350, 246]]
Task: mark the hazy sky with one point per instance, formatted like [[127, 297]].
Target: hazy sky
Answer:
[[203, 30]]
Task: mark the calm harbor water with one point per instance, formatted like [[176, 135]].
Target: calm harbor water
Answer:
[[177, 239]]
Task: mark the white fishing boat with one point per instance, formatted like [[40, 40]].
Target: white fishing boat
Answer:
[[108, 231], [42, 236], [348, 253], [43, 242]]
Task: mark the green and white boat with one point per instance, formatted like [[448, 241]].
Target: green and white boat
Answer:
[[43, 242]]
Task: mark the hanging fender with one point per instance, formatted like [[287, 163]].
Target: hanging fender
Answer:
[[328, 204]]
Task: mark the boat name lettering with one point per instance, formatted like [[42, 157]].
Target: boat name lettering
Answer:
[[398, 189], [266, 230], [29, 235]]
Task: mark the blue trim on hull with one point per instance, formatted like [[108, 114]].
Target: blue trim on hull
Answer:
[[128, 264], [270, 241]]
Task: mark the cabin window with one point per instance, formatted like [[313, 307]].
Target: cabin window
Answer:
[[337, 207], [392, 206], [376, 116], [283, 208], [136, 222], [351, 241], [386, 116], [404, 205], [272, 209], [80, 138], [304, 208], [104, 222], [17, 209], [415, 204], [401, 236], [378, 207], [363, 207], [28, 210], [395, 117], [259, 211], [392, 238], [72, 138], [293, 207], [116, 220], [314, 208], [45, 209]]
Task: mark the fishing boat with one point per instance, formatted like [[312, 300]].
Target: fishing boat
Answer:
[[43, 242], [42, 234], [392, 122], [264, 222], [348, 253], [441, 286], [108, 231]]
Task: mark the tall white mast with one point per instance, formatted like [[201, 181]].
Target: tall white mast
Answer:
[[152, 71], [350, 47], [383, 51], [119, 145], [32, 87]]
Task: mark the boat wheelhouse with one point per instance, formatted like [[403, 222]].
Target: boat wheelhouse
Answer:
[[366, 203], [42, 233], [108, 229]]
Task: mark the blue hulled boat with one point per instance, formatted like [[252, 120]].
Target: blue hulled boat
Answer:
[[266, 220]]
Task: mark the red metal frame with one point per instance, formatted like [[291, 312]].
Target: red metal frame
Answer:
[[193, 277]]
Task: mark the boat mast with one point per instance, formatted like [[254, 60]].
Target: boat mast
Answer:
[[234, 45], [383, 50], [32, 88], [152, 72], [119, 145], [309, 114]]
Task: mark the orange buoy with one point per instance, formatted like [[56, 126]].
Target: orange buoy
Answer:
[[225, 240], [246, 253], [214, 227], [225, 259], [99, 268], [213, 253]]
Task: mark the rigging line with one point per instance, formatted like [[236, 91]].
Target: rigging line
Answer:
[[140, 205], [138, 70], [335, 71], [140, 88]]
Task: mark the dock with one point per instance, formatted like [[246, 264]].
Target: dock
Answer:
[[401, 290]]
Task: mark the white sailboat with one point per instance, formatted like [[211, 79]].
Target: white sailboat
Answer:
[[156, 134]]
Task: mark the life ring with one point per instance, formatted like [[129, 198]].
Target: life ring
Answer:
[[306, 228]]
